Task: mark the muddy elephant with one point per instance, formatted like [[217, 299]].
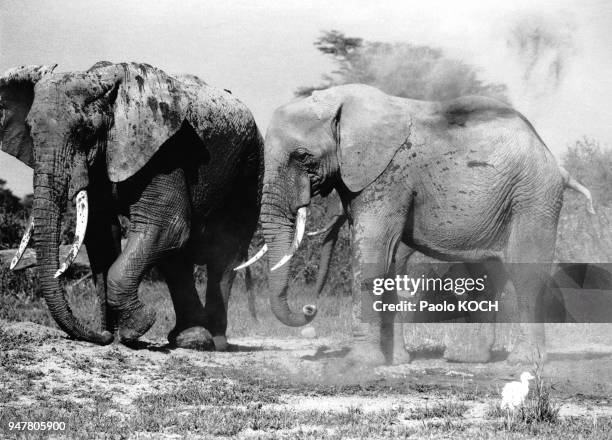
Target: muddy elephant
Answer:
[[461, 180], [183, 160]]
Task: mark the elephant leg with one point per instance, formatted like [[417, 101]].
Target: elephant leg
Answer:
[[219, 285], [530, 253], [124, 276], [190, 328], [160, 225], [400, 267], [103, 243], [374, 238], [475, 341]]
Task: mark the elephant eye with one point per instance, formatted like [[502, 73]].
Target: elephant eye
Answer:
[[302, 155]]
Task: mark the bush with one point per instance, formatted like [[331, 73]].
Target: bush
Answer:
[[582, 237]]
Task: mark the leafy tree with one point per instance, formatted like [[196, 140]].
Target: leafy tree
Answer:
[[8, 201], [12, 217], [591, 164], [580, 236], [400, 69]]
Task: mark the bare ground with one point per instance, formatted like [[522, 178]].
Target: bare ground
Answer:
[[278, 388]]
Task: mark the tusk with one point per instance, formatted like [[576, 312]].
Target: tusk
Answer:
[[282, 262], [253, 259], [82, 207], [325, 228], [317, 232], [27, 235], [300, 227]]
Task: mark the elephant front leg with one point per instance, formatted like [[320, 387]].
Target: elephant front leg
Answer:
[[190, 330], [134, 319], [374, 242], [400, 267]]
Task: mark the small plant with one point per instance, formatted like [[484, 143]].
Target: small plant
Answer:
[[539, 407], [442, 410]]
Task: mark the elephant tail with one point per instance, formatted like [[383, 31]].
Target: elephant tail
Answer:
[[572, 183]]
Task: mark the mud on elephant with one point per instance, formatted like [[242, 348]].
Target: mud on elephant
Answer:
[[462, 180], [183, 160]]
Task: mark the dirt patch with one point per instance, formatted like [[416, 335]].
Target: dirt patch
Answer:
[[268, 386]]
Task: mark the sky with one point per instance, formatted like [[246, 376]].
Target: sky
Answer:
[[263, 50]]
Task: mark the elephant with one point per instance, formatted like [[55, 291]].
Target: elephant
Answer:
[[332, 228], [467, 179], [183, 160]]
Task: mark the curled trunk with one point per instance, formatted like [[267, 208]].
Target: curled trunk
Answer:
[[278, 233], [47, 217]]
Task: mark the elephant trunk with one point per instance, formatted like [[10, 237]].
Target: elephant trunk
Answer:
[[47, 215], [327, 249], [278, 229]]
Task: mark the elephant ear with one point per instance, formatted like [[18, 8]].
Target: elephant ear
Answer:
[[149, 108], [369, 129], [16, 97]]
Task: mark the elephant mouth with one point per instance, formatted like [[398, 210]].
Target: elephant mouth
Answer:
[[298, 236], [82, 215], [300, 227]]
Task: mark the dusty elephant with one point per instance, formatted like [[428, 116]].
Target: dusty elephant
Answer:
[[339, 218], [475, 341], [182, 159], [462, 180]]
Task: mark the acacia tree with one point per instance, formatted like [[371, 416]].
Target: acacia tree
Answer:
[[400, 69]]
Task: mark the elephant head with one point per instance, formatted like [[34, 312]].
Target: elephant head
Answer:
[[112, 117], [342, 138]]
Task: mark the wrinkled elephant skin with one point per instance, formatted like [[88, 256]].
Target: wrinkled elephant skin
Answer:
[[461, 180], [181, 159]]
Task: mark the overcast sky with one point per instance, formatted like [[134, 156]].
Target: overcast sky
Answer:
[[262, 50]]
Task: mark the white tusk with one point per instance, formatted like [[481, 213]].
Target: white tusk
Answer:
[[282, 262], [317, 232], [325, 228], [253, 259], [300, 227], [82, 207], [27, 235]]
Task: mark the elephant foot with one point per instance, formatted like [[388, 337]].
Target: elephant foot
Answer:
[[365, 355], [401, 356], [132, 325], [220, 343], [192, 338], [472, 344], [527, 354]]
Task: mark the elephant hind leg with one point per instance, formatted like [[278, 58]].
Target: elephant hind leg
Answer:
[[529, 259], [219, 285], [190, 328]]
